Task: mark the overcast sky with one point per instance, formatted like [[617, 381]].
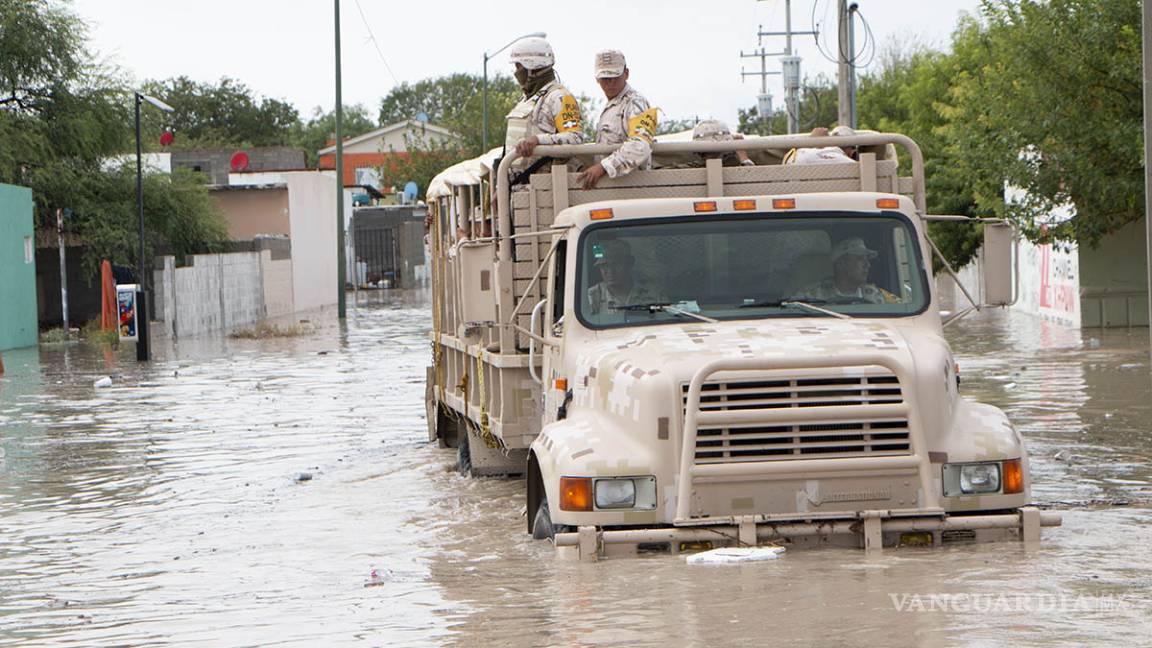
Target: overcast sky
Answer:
[[684, 55]]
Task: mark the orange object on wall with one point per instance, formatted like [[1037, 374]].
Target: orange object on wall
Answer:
[[108, 310]]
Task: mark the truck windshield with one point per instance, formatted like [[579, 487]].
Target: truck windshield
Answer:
[[750, 267]]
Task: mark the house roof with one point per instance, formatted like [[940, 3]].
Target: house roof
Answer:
[[400, 125]]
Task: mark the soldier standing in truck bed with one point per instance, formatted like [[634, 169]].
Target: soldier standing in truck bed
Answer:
[[627, 120], [548, 113]]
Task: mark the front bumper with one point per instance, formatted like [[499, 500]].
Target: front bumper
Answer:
[[870, 530]]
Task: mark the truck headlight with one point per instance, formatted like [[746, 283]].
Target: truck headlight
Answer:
[[615, 493], [638, 493], [972, 478], [980, 478]]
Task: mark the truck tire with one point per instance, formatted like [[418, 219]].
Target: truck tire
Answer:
[[448, 427], [463, 453], [542, 528]]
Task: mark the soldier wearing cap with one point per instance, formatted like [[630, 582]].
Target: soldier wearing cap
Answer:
[[618, 285], [851, 261], [714, 130], [548, 113], [627, 120]]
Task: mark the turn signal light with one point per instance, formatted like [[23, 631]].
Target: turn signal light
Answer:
[[707, 206], [783, 203], [743, 205], [562, 384], [575, 494], [888, 203], [1013, 477], [600, 214]]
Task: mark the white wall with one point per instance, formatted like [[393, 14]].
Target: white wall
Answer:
[[221, 292], [312, 217], [1050, 282]]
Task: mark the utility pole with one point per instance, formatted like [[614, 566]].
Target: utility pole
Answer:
[[852, 114], [63, 269], [764, 99], [843, 78], [341, 305], [1147, 45], [789, 68]]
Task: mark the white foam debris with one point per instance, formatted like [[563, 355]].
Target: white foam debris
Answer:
[[102, 382], [729, 555]]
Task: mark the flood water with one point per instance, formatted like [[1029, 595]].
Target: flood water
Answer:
[[169, 510]]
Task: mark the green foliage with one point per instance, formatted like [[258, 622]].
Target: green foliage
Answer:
[[38, 52], [1049, 99], [179, 214], [92, 333], [817, 108], [420, 163], [224, 114], [62, 116], [907, 95], [455, 102], [314, 134]]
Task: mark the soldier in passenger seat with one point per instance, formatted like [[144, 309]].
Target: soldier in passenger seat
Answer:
[[851, 261]]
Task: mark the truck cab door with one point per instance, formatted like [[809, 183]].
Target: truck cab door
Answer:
[[553, 330]]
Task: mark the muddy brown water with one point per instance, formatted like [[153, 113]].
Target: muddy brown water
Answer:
[[168, 510]]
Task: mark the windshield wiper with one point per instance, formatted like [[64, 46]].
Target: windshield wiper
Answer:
[[664, 307], [808, 305]]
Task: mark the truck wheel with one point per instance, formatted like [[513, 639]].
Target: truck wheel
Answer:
[[463, 454], [542, 524]]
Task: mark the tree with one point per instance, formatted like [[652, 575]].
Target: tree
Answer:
[[179, 216], [61, 118], [909, 94], [420, 163], [1049, 100], [314, 134], [228, 113], [817, 108]]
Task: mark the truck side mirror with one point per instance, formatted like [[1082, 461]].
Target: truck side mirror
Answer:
[[999, 267]]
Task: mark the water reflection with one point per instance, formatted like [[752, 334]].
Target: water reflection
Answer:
[[166, 510]]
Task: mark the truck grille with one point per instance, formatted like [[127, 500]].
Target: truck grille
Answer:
[[863, 437]]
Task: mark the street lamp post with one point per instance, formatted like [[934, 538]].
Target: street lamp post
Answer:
[[484, 137], [142, 341]]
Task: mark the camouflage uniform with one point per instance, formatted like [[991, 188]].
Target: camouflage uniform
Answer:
[[552, 114], [601, 300], [826, 291], [636, 152]]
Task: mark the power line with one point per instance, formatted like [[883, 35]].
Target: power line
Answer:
[[372, 39]]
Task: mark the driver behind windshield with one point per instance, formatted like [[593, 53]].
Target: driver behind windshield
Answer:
[[618, 283], [851, 261]]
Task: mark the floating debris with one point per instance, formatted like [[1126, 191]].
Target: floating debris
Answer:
[[102, 382], [729, 555]]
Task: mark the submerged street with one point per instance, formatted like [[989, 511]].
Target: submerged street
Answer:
[[282, 492]]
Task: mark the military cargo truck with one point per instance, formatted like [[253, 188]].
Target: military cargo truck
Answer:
[[701, 355]]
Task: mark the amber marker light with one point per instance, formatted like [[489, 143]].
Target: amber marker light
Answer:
[[1013, 477], [706, 206], [783, 203], [562, 384], [743, 205], [575, 494], [888, 203], [600, 214]]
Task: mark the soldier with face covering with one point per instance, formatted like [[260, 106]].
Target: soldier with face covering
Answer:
[[547, 113]]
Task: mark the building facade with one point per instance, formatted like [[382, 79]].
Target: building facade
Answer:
[[17, 269]]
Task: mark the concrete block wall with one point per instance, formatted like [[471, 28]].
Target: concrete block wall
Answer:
[[277, 286], [221, 292]]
